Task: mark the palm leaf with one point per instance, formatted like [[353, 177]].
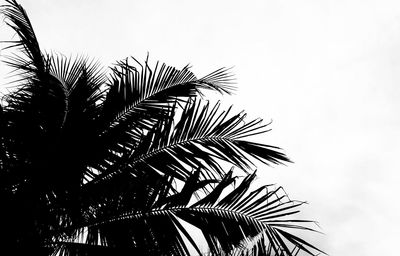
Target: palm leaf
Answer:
[[228, 225], [133, 88], [260, 218], [32, 59], [139, 96], [202, 137], [69, 70], [146, 236]]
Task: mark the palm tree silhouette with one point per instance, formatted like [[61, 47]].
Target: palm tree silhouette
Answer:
[[118, 163]]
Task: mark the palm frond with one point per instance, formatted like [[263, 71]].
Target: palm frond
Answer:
[[139, 96], [138, 87], [68, 70], [202, 137], [32, 59], [146, 236], [240, 216], [260, 218]]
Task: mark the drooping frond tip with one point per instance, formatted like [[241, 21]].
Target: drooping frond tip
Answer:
[[222, 79], [16, 18]]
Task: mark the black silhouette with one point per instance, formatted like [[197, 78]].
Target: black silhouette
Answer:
[[96, 164]]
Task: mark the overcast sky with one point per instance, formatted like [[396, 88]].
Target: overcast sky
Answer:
[[326, 72]]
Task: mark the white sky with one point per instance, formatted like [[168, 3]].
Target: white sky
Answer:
[[326, 72]]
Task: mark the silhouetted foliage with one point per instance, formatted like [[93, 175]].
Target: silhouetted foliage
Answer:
[[97, 163]]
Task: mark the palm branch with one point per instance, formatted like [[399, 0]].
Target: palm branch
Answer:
[[202, 135], [259, 220]]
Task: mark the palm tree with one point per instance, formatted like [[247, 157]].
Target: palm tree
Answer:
[[131, 161]]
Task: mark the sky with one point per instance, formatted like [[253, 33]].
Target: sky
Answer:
[[327, 73]]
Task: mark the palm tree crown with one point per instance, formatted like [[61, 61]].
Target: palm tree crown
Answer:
[[97, 163]]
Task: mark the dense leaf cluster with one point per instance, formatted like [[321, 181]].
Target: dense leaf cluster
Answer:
[[91, 162]]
